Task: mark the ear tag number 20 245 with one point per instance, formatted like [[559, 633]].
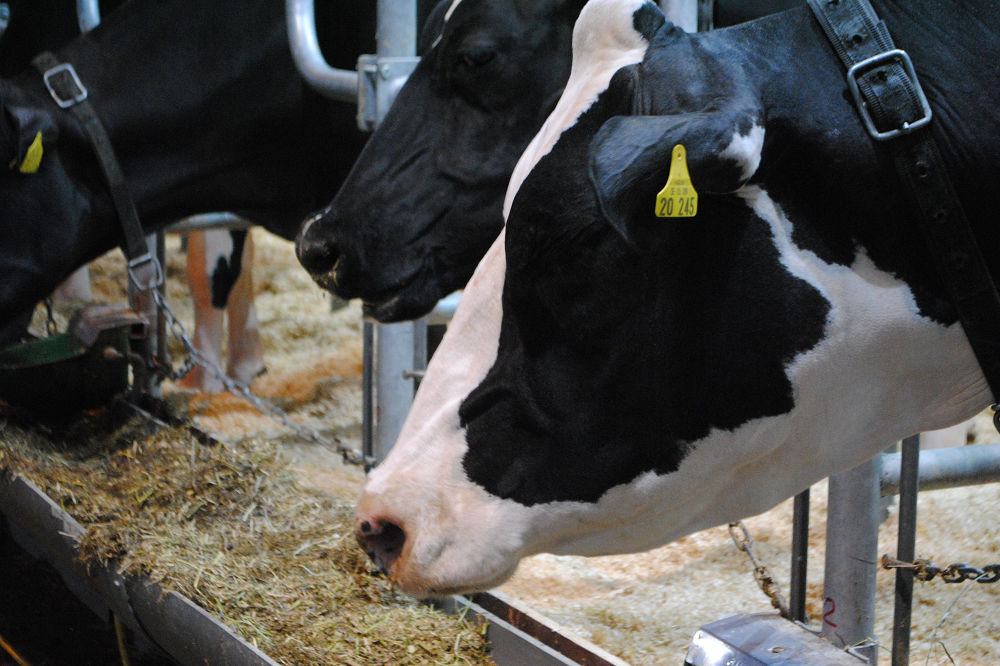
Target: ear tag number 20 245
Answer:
[[678, 197]]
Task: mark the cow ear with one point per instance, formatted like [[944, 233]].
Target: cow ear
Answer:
[[630, 162], [23, 126]]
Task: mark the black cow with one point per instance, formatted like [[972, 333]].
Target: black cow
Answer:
[[424, 201], [614, 380], [206, 112]]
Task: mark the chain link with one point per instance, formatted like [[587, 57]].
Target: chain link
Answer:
[[238, 388], [953, 573], [768, 583], [50, 318]]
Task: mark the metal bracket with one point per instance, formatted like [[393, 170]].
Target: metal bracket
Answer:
[[4, 17], [379, 81], [145, 272], [896, 55]]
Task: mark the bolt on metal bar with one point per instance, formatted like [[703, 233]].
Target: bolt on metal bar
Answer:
[[800, 557], [909, 487]]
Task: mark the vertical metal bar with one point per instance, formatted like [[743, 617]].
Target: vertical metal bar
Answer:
[[419, 350], [909, 486], [851, 558], [393, 350], [368, 390], [800, 556], [161, 321], [682, 13]]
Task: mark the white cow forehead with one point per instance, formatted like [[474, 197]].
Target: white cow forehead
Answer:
[[604, 41]]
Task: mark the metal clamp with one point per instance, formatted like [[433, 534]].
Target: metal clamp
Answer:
[[75, 97], [902, 57], [141, 265]]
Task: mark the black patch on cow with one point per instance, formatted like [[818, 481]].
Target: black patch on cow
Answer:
[[612, 362], [227, 271]]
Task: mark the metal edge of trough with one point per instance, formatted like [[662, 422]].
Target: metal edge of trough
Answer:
[[192, 636]]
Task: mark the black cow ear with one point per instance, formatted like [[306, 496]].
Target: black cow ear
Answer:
[[630, 162], [23, 125]]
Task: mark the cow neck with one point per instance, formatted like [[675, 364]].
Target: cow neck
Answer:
[[895, 112], [69, 93]]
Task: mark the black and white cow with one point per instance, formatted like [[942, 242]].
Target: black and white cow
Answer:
[[612, 380], [206, 111]]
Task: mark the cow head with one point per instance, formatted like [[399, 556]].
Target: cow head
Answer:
[[613, 381], [423, 203], [41, 206]]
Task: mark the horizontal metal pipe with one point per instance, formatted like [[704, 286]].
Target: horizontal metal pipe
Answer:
[[445, 309], [88, 14], [208, 222], [946, 468], [336, 84]]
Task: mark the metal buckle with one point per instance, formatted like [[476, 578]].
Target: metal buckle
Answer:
[[857, 70], [138, 264], [77, 97]]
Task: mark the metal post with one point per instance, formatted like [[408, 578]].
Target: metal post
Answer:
[[682, 13], [800, 556], [851, 558], [393, 350], [161, 321], [909, 486], [88, 14], [368, 391]]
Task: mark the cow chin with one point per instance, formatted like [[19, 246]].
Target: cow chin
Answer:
[[412, 301]]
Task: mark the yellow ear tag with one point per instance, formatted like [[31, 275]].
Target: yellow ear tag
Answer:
[[677, 198], [33, 158]]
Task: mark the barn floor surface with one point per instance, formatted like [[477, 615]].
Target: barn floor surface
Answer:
[[644, 607]]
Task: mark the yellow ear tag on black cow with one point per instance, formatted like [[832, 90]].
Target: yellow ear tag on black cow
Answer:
[[677, 198], [33, 158]]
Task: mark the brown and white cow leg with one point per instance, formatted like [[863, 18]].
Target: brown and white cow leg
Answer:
[[202, 257], [246, 350]]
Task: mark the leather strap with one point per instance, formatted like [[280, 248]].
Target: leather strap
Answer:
[[68, 92], [889, 98]]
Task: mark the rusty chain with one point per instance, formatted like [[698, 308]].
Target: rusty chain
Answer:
[[240, 389], [768, 584], [959, 572]]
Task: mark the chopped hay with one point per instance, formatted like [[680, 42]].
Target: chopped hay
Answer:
[[232, 528]]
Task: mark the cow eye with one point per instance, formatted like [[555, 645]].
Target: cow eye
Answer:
[[478, 57]]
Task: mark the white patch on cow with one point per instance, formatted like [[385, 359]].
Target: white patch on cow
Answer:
[[745, 150], [604, 41], [218, 245], [451, 10], [432, 442]]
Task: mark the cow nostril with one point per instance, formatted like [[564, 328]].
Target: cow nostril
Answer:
[[318, 256], [383, 542]]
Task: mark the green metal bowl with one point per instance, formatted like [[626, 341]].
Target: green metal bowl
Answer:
[[82, 369]]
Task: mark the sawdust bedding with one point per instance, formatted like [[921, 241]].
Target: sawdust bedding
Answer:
[[644, 607]]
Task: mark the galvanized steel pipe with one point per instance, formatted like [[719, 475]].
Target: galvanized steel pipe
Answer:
[[336, 84], [946, 468], [852, 558]]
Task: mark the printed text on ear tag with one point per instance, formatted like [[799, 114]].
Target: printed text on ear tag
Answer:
[[677, 198], [32, 158]]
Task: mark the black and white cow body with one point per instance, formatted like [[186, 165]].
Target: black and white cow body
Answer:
[[206, 112], [612, 380]]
